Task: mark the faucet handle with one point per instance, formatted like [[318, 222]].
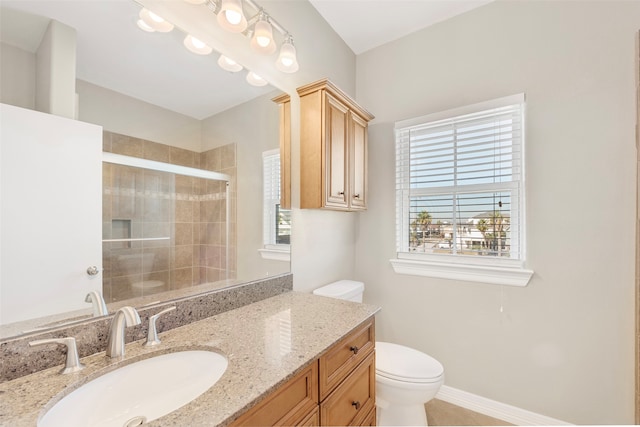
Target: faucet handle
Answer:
[[152, 334], [73, 362]]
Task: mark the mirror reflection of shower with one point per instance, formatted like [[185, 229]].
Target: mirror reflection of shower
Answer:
[[165, 227]]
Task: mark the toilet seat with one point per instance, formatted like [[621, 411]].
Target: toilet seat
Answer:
[[148, 284], [405, 364]]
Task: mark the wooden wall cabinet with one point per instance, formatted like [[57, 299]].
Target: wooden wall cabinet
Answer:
[[284, 105], [338, 389], [333, 149]]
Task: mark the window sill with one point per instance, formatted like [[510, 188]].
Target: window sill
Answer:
[[509, 276], [277, 254]]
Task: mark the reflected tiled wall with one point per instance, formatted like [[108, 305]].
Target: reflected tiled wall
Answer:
[[186, 215]]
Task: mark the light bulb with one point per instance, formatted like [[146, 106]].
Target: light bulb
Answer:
[[144, 27], [229, 64], [154, 21], [230, 17], [255, 80], [196, 45], [262, 40], [233, 17], [156, 18], [287, 61]]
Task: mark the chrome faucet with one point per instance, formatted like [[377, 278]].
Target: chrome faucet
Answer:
[[124, 317], [72, 363], [96, 300]]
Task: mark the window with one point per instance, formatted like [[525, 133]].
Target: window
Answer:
[[276, 221], [459, 193]]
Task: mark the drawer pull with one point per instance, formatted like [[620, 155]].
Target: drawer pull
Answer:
[[355, 349], [356, 404]]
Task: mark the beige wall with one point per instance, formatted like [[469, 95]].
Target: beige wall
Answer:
[[17, 77], [253, 127], [122, 114], [564, 345]]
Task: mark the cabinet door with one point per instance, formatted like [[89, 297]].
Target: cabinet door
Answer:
[[353, 400], [358, 147], [336, 153]]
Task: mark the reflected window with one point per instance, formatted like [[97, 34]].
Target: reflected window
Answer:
[[276, 221]]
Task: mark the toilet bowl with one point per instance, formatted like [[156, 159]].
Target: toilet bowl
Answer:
[[134, 264], [406, 378]]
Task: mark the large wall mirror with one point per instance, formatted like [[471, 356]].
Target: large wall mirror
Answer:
[[166, 234]]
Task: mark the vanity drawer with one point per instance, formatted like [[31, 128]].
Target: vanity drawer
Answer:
[[370, 419], [336, 364], [312, 420], [291, 404], [353, 401]]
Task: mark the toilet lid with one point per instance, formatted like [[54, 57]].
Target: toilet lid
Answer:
[[402, 363]]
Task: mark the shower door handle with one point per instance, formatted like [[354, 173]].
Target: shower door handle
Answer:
[[93, 270]]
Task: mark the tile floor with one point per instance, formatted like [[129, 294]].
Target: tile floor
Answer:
[[441, 413]]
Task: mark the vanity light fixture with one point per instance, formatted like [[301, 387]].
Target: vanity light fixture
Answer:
[[231, 17], [196, 45], [229, 64], [255, 80], [262, 40], [155, 22], [287, 60]]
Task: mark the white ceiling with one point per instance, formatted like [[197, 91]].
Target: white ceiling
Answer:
[[113, 53], [365, 24]]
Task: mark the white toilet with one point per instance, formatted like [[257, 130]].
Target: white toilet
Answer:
[[133, 264], [406, 378]]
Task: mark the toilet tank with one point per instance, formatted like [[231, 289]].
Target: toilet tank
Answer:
[[349, 290]]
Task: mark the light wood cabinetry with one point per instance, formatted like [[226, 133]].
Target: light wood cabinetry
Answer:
[[338, 389], [294, 403], [284, 104], [351, 402], [333, 149]]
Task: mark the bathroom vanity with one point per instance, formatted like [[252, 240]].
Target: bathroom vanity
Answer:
[[336, 389], [292, 359]]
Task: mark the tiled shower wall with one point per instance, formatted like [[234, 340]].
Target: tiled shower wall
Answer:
[[186, 215]]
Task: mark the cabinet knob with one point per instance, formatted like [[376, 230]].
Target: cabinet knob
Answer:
[[356, 404], [355, 349], [340, 193], [356, 196]]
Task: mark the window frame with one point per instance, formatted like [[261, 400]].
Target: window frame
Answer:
[[271, 187], [484, 269]]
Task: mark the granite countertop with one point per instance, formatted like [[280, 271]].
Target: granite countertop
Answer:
[[266, 343]]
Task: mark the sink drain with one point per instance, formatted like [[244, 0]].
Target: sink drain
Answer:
[[135, 421]]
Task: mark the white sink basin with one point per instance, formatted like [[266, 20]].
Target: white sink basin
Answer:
[[139, 392]]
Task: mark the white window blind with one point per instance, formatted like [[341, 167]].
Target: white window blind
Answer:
[[459, 181], [276, 221]]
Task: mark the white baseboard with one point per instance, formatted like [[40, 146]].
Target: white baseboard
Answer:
[[501, 411]]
